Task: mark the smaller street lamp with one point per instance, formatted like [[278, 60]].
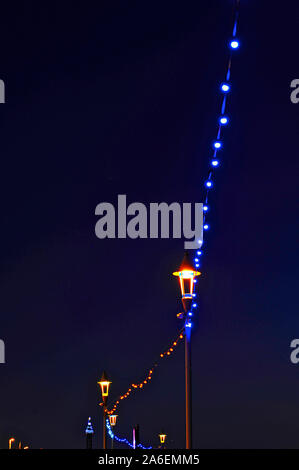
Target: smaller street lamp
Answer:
[[104, 384], [162, 437], [112, 421]]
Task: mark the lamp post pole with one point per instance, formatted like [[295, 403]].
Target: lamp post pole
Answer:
[[104, 384], [188, 390], [104, 428]]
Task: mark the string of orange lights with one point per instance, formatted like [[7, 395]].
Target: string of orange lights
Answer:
[[139, 386]]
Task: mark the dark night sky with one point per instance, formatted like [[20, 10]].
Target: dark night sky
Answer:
[[107, 98]]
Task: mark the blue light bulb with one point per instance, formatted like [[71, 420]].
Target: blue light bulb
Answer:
[[209, 184], [206, 226], [234, 44], [223, 120], [199, 253], [217, 144], [214, 162], [205, 208], [225, 87]]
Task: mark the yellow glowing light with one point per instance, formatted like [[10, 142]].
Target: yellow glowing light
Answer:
[[149, 377], [186, 276], [162, 438], [104, 384], [112, 419]]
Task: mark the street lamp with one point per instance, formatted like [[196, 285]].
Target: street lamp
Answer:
[[11, 440], [112, 420], [162, 437], [104, 384], [186, 275]]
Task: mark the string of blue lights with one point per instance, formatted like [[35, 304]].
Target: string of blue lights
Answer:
[[223, 121], [123, 440]]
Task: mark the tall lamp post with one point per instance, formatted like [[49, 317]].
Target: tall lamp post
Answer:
[[112, 420], [104, 384], [186, 275]]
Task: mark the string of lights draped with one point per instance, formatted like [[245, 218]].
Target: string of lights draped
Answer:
[[223, 121], [139, 386], [217, 144], [123, 439]]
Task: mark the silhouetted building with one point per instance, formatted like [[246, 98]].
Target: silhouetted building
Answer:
[[89, 434]]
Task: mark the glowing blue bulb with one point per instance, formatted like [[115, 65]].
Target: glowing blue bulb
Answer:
[[217, 144], [206, 226], [194, 305], [225, 87], [223, 120], [190, 314], [234, 44], [209, 184], [205, 208], [199, 253], [215, 162], [196, 260]]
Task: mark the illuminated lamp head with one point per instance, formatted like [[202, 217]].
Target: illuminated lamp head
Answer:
[[112, 419], [186, 275], [162, 437], [104, 384]]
